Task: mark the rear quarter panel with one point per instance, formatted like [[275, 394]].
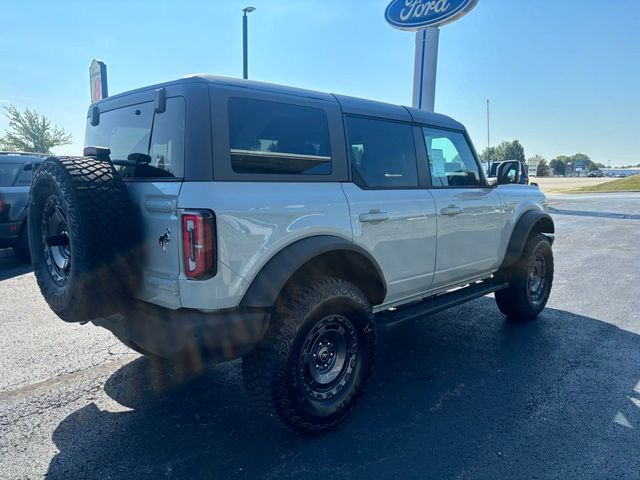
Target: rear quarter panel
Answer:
[[254, 221]]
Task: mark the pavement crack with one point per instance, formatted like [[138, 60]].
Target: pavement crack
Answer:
[[62, 380]]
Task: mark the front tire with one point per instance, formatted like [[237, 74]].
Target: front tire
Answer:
[[313, 365], [530, 281]]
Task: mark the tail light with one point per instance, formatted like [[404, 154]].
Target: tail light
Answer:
[[1, 205], [198, 243]]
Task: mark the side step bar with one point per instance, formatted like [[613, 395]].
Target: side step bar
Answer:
[[388, 319]]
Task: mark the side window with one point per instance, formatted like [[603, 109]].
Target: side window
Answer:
[[382, 153], [167, 140], [450, 159], [278, 138], [26, 175]]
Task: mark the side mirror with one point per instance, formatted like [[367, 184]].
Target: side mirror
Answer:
[[508, 172], [95, 116]]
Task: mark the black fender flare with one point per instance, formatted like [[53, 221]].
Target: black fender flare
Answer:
[[267, 285], [530, 221]]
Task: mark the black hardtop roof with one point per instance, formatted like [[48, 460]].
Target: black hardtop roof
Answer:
[[349, 105]]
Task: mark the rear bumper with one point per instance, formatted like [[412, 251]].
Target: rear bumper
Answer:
[[216, 336], [9, 234]]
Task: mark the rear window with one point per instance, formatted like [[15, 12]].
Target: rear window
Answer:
[[136, 129], [278, 138], [8, 173]]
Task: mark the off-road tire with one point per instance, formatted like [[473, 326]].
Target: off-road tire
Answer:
[[272, 372], [92, 202], [21, 248], [517, 301]]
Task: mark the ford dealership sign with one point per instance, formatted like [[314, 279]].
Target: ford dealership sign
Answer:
[[417, 14]]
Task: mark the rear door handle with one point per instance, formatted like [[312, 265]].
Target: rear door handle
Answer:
[[374, 216], [451, 210]]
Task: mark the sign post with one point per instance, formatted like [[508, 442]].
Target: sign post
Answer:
[[425, 67], [98, 80], [532, 166], [425, 17]]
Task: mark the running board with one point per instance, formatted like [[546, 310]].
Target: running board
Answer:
[[390, 319]]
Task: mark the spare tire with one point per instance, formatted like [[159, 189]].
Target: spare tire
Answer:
[[83, 235]]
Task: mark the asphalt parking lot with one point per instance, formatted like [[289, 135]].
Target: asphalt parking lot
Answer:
[[462, 394]]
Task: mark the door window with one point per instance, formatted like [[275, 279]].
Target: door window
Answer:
[[451, 161], [278, 138], [382, 153]]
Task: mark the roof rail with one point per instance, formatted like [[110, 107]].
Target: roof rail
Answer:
[[32, 154]]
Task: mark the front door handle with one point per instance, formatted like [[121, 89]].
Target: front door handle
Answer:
[[451, 210], [374, 216]]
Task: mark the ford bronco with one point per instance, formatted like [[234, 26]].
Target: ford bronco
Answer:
[[220, 218]]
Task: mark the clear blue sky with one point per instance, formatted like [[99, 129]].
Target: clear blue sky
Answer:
[[563, 76]]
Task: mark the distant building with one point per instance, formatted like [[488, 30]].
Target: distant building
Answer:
[[612, 172]]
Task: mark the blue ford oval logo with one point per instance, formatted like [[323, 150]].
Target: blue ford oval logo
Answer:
[[417, 14]]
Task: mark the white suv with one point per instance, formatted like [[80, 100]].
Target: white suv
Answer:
[[216, 218]]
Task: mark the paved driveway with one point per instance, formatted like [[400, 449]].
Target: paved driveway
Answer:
[[462, 394]]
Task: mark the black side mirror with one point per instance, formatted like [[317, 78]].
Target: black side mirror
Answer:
[[508, 172], [95, 116], [160, 104]]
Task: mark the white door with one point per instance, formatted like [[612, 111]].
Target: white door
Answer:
[[391, 216], [470, 217]]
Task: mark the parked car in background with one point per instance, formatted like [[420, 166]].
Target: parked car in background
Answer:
[[16, 173], [596, 173]]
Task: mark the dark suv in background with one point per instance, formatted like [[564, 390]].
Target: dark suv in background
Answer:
[[16, 173]]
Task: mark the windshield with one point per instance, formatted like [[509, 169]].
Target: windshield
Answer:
[[156, 138], [8, 173]]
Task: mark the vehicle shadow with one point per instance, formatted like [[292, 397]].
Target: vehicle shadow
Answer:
[[10, 266], [583, 213], [463, 394]]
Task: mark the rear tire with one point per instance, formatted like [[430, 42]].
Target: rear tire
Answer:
[[530, 281], [314, 363], [83, 233], [21, 248]]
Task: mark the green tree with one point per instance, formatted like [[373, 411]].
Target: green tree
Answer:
[[505, 151], [543, 169], [511, 151], [558, 165], [488, 155], [30, 131]]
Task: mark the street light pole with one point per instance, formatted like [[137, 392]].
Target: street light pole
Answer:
[[488, 141], [245, 66]]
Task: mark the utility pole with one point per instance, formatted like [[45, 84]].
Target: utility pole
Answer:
[[245, 61], [488, 137]]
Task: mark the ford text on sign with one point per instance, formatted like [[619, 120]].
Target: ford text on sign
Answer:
[[417, 14]]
